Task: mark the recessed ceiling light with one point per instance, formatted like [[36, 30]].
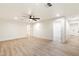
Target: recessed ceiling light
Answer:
[[15, 18], [57, 15]]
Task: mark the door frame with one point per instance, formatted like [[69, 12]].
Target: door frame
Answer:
[[63, 39]]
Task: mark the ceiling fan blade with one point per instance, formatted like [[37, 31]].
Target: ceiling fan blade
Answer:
[[36, 18]]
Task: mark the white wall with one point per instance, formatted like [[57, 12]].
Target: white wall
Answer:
[[43, 29], [12, 29]]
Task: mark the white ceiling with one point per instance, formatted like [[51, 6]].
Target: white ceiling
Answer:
[[11, 10]]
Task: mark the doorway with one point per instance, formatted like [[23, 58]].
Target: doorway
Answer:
[[59, 30]]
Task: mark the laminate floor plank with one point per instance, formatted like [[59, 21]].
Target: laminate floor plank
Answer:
[[39, 47]]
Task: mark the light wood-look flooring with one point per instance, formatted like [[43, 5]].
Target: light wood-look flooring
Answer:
[[38, 47]]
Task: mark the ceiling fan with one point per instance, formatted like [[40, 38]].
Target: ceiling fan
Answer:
[[33, 18], [49, 4]]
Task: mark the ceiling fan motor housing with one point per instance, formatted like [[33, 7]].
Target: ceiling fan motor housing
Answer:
[[49, 4]]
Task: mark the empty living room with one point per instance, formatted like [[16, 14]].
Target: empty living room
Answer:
[[39, 29]]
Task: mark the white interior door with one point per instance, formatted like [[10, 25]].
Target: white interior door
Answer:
[[58, 30]]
